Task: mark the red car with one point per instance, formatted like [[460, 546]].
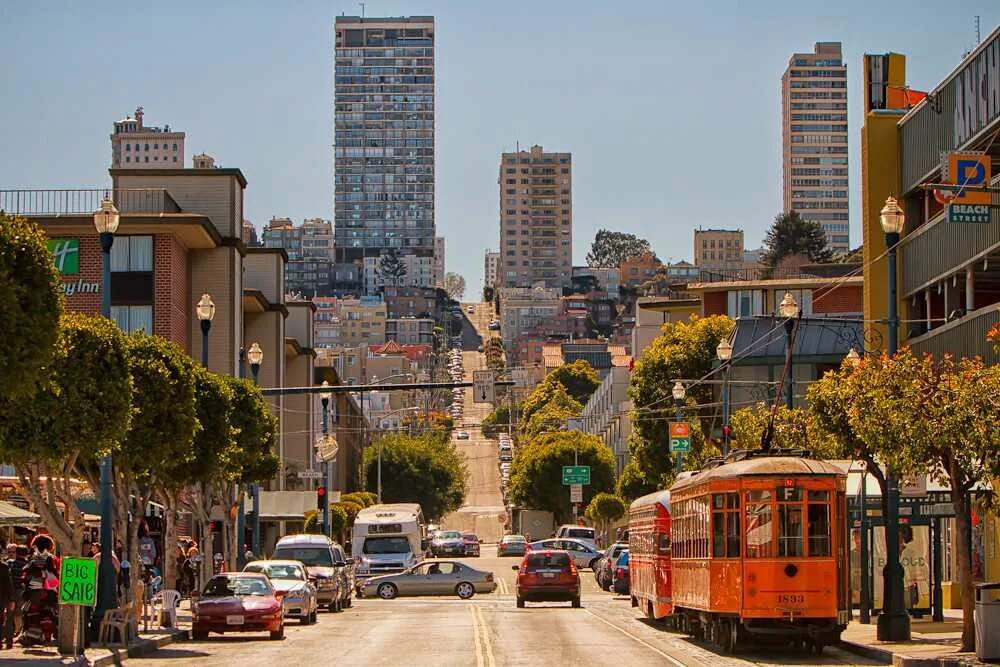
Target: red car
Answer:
[[547, 576], [471, 544], [237, 602]]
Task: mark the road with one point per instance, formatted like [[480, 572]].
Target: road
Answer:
[[483, 508], [486, 631]]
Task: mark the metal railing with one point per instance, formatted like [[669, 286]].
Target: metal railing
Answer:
[[964, 337], [85, 201]]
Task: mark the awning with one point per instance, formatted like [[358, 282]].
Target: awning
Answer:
[[761, 340], [11, 515], [285, 505]]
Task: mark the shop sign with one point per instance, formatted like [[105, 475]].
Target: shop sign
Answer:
[[65, 255], [977, 92], [71, 287], [977, 213]]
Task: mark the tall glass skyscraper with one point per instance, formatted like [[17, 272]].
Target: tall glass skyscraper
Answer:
[[383, 138]]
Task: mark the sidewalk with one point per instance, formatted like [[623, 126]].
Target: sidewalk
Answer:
[[98, 656], [931, 644]]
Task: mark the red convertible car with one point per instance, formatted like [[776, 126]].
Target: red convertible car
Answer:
[[237, 602]]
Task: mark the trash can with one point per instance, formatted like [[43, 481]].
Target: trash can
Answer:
[[987, 622]]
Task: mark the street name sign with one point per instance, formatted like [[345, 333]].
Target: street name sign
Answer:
[[576, 475], [576, 493], [78, 581], [309, 474], [978, 213], [482, 387], [680, 437]]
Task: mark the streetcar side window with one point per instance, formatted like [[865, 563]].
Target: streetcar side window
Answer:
[[819, 528], [725, 525], [663, 544]]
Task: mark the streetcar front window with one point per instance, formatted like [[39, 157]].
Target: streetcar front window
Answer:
[[790, 530], [819, 529]]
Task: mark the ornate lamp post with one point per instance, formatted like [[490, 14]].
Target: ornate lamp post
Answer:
[[679, 395], [255, 356], [724, 351], [324, 399], [893, 622], [789, 309], [106, 220], [205, 311]]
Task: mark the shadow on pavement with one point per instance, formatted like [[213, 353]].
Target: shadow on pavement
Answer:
[[175, 654]]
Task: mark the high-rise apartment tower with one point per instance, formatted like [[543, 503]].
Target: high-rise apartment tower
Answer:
[[536, 218], [814, 140], [383, 137]]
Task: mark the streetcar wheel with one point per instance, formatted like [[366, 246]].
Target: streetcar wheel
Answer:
[[650, 616], [729, 630]]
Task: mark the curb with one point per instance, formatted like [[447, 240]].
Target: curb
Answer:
[[899, 660], [138, 649], [865, 651]]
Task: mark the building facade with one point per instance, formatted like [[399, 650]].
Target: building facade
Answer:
[[349, 322], [718, 248], [523, 310], [438, 262], [606, 414], [383, 137], [536, 218], [420, 272], [814, 140], [491, 268], [310, 253], [410, 330], [637, 270], [133, 144]]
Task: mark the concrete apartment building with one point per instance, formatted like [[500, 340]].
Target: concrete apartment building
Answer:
[[438, 262], [383, 138], [133, 144], [635, 271], [814, 140], [310, 253], [410, 330], [349, 322], [606, 414], [523, 310], [420, 272], [718, 248], [536, 218]]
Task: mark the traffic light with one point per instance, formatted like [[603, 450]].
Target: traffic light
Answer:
[[321, 497], [215, 526]]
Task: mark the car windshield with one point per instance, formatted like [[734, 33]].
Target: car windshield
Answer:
[[546, 561], [219, 587], [514, 538], [309, 555], [276, 571], [449, 535], [386, 545], [585, 533]]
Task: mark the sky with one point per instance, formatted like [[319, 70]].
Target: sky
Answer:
[[670, 109]]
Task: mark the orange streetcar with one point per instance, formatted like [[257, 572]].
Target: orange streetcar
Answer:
[[759, 549], [649, 554]]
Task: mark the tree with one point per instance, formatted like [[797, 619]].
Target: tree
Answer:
[[363, 498], [338, 522], [790, 234], [536, 472], [454, 285], [612, 248], [579, 378], [631, 482], [794, 429], [552, 415], [82, 409], [423, 469], [682, 350], [604, 509], [391, 268], [313, 522], [30, 305]]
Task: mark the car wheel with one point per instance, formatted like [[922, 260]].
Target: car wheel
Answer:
[[576, 603], [305, 620], [465, 590], [313, 617], [520, 603], [387, 591], [593, 563], [199, 635], [279, 633]]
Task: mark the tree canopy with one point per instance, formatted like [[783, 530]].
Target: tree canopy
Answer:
[[612, 248], [579, 378], [795, 429], [422, 469], [391, 268], [30, 305], [454, 285], [536, 472], [606, 507], [790, 234], [552, 415]]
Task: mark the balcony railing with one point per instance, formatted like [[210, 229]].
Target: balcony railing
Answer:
[[40, 203], [965, 337]]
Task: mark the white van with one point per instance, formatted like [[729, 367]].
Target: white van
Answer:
[[582, 533], [388, 538]]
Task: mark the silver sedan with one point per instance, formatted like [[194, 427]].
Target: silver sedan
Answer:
[[583, 554], [291, 585], [438, 577]]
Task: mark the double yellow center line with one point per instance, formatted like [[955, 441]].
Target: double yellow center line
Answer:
[[481, 635]]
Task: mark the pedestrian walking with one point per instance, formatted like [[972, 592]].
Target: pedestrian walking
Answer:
[[17, 558], [6, 597]]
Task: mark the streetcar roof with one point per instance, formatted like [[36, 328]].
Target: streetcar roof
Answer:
[[661, 497], [763, 466]]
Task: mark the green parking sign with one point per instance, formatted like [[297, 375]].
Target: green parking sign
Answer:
[[78, 581]]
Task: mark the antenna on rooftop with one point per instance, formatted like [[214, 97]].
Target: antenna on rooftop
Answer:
[[362, 10], [979, 37]]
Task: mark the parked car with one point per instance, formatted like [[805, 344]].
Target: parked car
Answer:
[[291, 585], [605, 570], [237, 602], [470, 309], [448, 543], [462, 435], [471, 544], [547, 575], [437, 577], [505, 455], [326, 563], [583, 554], [621, 574], [494, 326], [512, 545], [582, 533]]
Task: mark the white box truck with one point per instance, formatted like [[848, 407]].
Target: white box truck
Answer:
[[388, 539]]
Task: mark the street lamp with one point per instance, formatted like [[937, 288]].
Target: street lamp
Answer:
[[324, 399], [853, 358], [106, 220], [679, 396], [205, 311], [789, 309], [893, 622], [255, 356], [724, 351]]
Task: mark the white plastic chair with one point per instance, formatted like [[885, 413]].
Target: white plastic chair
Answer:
[[166, 601]]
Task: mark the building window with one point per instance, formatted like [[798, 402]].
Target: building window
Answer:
[[745, 303], [133, 318], [132, 254]]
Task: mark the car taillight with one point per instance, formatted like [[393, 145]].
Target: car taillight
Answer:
[[620, 573], [489, 576], [572, 568]]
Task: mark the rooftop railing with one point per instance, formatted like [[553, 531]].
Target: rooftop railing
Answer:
[[41, 203]]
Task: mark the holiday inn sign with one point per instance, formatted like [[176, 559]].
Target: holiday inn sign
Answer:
[[66, 256]]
